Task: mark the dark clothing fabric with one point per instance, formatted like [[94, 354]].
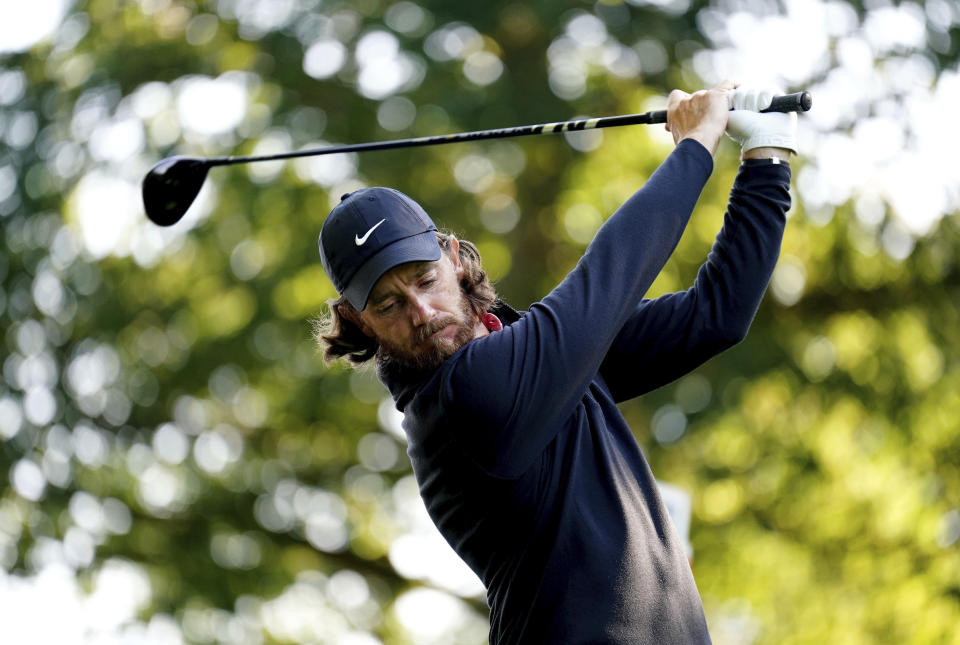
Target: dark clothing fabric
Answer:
[[524, 461]]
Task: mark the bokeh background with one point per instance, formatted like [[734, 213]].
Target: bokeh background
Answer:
[[177, 465]]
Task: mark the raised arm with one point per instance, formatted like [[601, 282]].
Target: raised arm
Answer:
[[671, 335], [511, 390]]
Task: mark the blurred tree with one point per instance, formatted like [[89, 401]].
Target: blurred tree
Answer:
[[177, 454]]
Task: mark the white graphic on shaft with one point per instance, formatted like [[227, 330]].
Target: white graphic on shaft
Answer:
[[361, 240]]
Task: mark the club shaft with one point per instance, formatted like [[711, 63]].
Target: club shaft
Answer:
[[477, 135], [799, 101]]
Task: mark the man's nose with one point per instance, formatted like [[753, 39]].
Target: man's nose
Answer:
[[420, 310]]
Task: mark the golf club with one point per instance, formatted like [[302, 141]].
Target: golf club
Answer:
[[172, 185]]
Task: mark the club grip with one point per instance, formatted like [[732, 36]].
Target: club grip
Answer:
[[798, 102]]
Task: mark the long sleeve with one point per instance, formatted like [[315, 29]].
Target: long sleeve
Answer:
[[671, 335], [512, 389]]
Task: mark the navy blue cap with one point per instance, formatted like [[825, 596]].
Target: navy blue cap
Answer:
[[368, 233]]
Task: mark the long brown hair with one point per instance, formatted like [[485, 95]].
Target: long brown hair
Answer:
[[339, 337]]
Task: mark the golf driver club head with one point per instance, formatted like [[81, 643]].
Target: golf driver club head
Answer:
[[171, 186]]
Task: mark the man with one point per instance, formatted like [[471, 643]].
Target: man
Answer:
[[523, 460]]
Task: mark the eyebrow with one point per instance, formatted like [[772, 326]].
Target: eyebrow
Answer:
[[378, 299], [424, 268]]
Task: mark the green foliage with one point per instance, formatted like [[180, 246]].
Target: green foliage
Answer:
[[164, 403]]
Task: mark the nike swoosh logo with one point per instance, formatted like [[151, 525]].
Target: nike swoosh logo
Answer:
[[362, 240]]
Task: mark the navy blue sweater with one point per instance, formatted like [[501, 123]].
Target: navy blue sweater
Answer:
[[524, 461]]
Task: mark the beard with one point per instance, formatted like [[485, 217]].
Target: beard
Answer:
[[429, 352]]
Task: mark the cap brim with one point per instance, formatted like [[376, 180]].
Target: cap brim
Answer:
[[417, 248]]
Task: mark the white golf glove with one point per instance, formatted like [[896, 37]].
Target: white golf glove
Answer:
[[751, 129]]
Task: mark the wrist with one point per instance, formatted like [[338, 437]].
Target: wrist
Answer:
[[708, 140], [766, 153]]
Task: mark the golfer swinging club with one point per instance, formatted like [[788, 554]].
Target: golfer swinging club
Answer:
[[522, 458]]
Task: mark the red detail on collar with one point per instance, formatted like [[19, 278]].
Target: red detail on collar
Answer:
[[491, 322]]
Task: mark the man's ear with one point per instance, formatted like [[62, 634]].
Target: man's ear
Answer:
[[356, 318], [454, 253]]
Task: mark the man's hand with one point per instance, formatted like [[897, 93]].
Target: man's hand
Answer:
[[761, 135], [701, 116]]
